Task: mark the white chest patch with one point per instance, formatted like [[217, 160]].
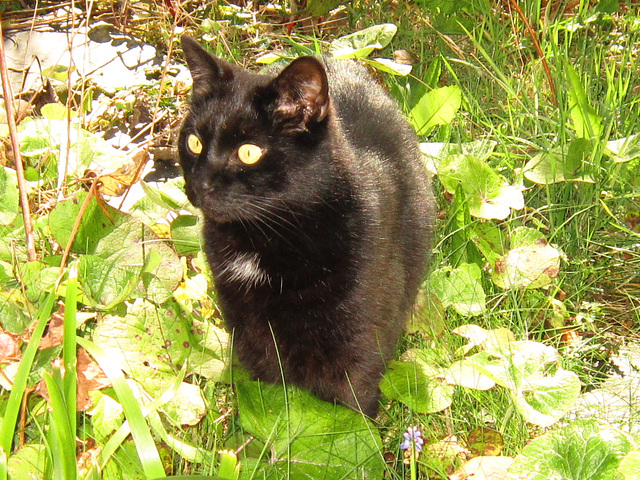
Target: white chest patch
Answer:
[[244, 268]]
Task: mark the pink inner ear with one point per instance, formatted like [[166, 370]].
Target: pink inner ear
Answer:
[[303, 94]]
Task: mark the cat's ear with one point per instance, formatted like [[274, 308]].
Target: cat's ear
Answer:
[[206, 70], [302, 92]]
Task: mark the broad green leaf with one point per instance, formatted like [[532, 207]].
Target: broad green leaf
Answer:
[[9, 198], [154, 342], [37, 279], [586, 122], [95, 223], [488, 194], [306, 437], [13, 247], [210, 354], [186, 234], [134, 245], [557, 165], [630, 466], [490, 240], [530, 263], [56, 111], [436, 107], [481, 337], [623, 149], [429, 316], [28, 462], [104, 283], [14, 315], [435, 152], [106, 415], [541, 390], [584, 450], [459, 288], [432, 360], [361, 43], [12, 405], [608, 6], [229, 468], [408, 383], [170, 195], [389, 66], [58, 72], [54, 137], [463, 373], [125, 464], [145, 446]]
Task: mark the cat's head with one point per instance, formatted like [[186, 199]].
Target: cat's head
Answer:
[[253, 143]]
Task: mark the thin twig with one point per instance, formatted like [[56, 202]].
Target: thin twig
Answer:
[[8, 105], [76, 227]]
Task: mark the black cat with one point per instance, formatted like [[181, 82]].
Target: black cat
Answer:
[[317, 218]]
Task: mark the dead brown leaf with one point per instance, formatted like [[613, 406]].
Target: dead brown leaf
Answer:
[[9, 347], [90, 378]]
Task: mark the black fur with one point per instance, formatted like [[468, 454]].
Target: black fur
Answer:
[[318, 249]]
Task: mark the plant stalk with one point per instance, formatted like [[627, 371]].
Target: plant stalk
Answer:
[[13, 133]]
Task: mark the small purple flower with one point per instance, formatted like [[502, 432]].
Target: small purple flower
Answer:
[[412, 436]]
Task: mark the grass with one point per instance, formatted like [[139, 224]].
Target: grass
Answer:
[[589, 313]]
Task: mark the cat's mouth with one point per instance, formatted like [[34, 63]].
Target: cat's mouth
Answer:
[[221, 211], [229, 210]]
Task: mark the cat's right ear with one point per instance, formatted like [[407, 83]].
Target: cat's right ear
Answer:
[[302, 91], [206, 70]]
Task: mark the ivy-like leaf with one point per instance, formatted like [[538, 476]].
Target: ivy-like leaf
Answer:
[[154, 343], [409, 383], [541, 390], [586, 449], [630, 465], [134, 245], [560, 164], [459, 288], [361, 43], [95, 224], [623, 149], [436, 107], [530, 263], [488, 194], [306, 437]]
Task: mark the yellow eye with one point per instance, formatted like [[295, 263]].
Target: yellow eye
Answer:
[[194, 144], [250, 153]]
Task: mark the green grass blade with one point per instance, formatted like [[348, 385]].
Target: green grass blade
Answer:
[[63, 437], [145, 445], [124, 430], [12, 409], [69, 356], [3, 465], [586, 122]]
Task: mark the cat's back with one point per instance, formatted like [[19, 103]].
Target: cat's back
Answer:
[[370, 118], [389, 174]]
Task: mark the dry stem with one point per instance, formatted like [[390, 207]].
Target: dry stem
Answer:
[[8, 105]]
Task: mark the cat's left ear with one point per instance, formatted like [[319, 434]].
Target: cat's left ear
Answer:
[[209, 73], [302, 93]]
